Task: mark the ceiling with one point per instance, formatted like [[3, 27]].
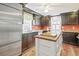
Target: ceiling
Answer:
[[53, 8]]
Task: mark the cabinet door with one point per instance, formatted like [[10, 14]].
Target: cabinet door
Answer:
[[78, 16], [73, 19], [30, 40], [33, 38], [24, 42], [69, 37], [65, 19], [69, 18]]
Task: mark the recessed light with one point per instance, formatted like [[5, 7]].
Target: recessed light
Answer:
[[26, 5], [45, 10]]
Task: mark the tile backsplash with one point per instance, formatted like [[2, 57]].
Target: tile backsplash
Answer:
[[70, 27]]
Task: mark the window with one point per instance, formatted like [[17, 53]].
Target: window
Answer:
[[27, 22], [55, 25]]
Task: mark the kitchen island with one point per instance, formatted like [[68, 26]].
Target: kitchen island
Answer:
[[48, 45]]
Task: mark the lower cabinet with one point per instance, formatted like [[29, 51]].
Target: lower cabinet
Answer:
[[48, 48], [28, 40], [78, 42], [70, 37], [24, 42]]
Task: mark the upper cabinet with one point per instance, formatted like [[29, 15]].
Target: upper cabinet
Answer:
[[73, 18], [69, 18], [41, 20], [64, 19]]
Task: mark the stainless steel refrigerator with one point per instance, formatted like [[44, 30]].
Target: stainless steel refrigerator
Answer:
[[10, 29]]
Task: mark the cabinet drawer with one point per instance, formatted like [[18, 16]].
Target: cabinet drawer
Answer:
[[46, 42], [11, 49]]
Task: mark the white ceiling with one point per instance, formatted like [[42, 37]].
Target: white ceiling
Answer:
[[53, 8]]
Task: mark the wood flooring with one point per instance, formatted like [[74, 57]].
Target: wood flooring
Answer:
[[29, 52], [70, 50]]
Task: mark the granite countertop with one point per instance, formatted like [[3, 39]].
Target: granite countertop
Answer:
[[48, 36], [71, 31]]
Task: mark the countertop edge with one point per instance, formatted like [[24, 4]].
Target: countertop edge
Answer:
[[40, 36]]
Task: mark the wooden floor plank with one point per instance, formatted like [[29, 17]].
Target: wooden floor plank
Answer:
[[70, 50]]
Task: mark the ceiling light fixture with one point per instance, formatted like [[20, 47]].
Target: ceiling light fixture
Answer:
[[46, 10], [26, 5]]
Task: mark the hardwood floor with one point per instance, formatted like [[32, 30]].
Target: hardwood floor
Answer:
[[67, 50], [70, 50], [29, 52]]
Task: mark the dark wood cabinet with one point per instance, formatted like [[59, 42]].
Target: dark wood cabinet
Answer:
[[70, 18], [65, 19], [78, 16], [70, 37], [78, 42], [33, 38], [24, 42], [28, 40], [73, 18]]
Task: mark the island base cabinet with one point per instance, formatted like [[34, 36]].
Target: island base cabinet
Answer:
[[47, 48]]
